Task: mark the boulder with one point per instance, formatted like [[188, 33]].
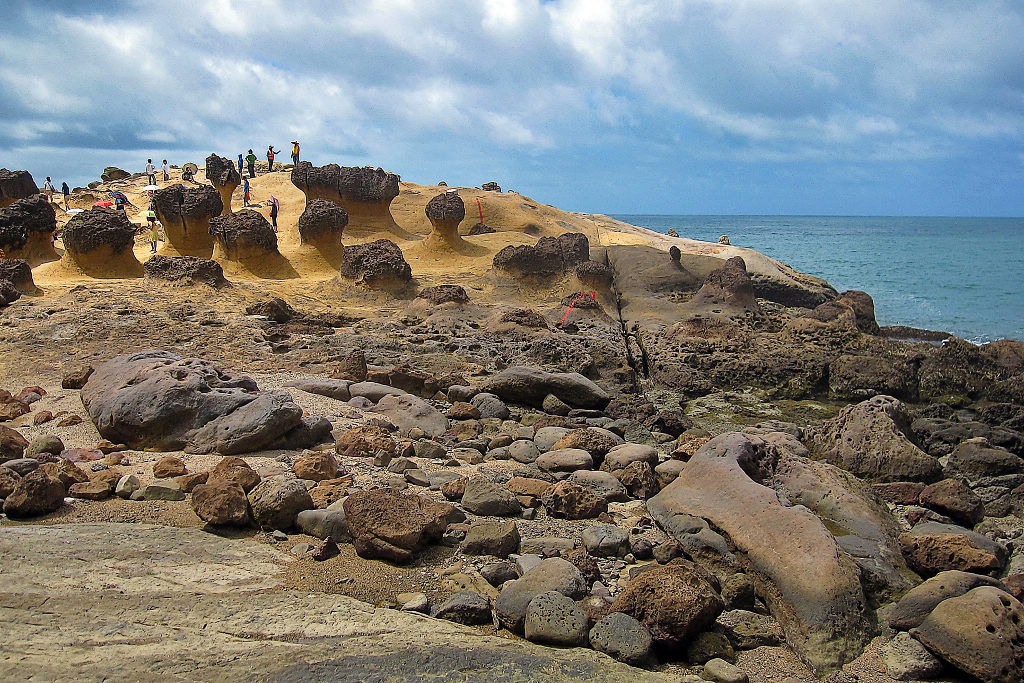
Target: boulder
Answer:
[[12, 444], [168, 466], [243, 236], [392, 526], [8, 481], [465, 607], [499, 539], [250, 427], [623, 455], [981, 633], [483, 497], [316, 466], [490, 405], [185, 214], [603, 484], [223, 175], [26, 230], [545, 437], [187, 270], [235, 471], [976, 457], [36, 493], [66, 471], [906, 659], [445, 212], [594, 276], [553, 574], [606, 540], [408, 412], [550, 256], [332, 388], [444, 294], [565, 460], [99, 242], [572, 501], [622, 637], [870, 440], [76, 378], [727, 291], [367, 441], [526, 385], [554, 619], [931, 547], [19, 273], [8, 293], [15, 185], [640, 480], [674, 602], [810, 583], [322, 224], [112, 173], [920, 600], [954, 499], [378, 265], [324, 524], [276, 501], [221, 504], [594, 440]]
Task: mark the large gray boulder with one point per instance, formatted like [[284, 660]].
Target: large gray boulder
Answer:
[[554, 574], [277, 501], [408, 412], [158, 400], [526, 385], [810, 583]]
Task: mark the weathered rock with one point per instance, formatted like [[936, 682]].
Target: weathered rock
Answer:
[[622, 637], [621, 456], [163, 489], [66, 471], [550, 256], [234, 470], [8, 481], [111, 173], [981, 633], [276, 501], [482, 497], [491, 538], [332, 388], [572, 501], [594, 440], [977, 457], [322, 224], [168, 466], [605, 540], [919, 601], [316, 466], [392, 526], [221, 504], [674, 602], [324, 524], [870, 440], [931, 547], [250, 427], [8, 293], [127, 485], [522, 384], [367, 441], [444, 294], [603, 484], [100, 241], [523, 451], [15, 185], [378, 265], [465, 607], [906, 659], [721, 671], [554, 619], [365, 193], [243, 236], [955, 499], [26, 230], [223, 175], [445, 211], [490, 405], [565, 460], [13, 444], [552, 574], [185, 214], [90, 490], [19, 273], [186, 270], [76, 379], [408, 412], [36, 493], [748, 630], [727, 290], [640, 480]]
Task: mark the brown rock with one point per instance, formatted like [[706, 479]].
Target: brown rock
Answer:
[[109, 476], [326, 494], [189, 482], [76, 379], [674, 602], [12, 409], [316, 466], [37, 493], [367, 441], [461, 410], [572, 501], [392, 526], [931, 547], [66, 471], [168, 467], [639, 480], [232, 469], [454, 489], [954, 499], [90, 490], [42, 417], [325, 550], [525, 486], [8, 481], [581, 559], [223, 503], [597, 442], [899, 492], [12, 444]]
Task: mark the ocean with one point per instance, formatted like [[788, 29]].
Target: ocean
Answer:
[[959, 275]]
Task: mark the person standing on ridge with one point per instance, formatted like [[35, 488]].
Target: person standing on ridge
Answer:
[[275, 206], [239, 164], [295, 152], [270, 158], [250, 159], [67, 191], [245, 192], [48, 190], [151, 171], [166, 170]]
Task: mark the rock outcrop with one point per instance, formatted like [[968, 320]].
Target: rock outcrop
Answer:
[[186, 270], [19, 273], [522, 384], [15, 185], [321, 225], [445, 212], [223, 175], [158, 400], [185, 213], [26, 230], [243, 236], [112, 173], [378, 265], [727, 291], [365, 193], [100, 242], [550, 256]]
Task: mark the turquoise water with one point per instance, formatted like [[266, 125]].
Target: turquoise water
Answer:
[[959, 275]]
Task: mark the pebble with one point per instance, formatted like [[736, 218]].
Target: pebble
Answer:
[[300, 549], [279, 535]]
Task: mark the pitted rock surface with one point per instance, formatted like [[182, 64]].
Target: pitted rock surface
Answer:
[[322, 220], [377, 263], [15, 185], [97, 228], [244, 229], [22, 219], [550, 256], [187, 269]]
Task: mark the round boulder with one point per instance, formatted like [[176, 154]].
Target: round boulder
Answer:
[[445, 212], [378, 265], [185, 213], [222, 503], [276, 501], [674, 602], [322, 223], [26, 230], [622, 637], [100, 242], [554, 619]]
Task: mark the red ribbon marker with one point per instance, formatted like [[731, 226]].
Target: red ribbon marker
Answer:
[[481, 209], [593, 295]]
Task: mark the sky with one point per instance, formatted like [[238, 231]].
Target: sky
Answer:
[[613, 106]]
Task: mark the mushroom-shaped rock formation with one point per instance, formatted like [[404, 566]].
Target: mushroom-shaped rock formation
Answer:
[[321, 225], [185, 213], [114, 173], [491, 187], [19, 273], [100, 241], [186, 269], [8, 293], [243, 235], [365, 193], [26, 231], [378, 265], [15, 185], [224, 176], [445, 212], [727, 290], [550, 256]]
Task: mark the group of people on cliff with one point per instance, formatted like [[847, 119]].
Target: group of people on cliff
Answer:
[[250, 159]]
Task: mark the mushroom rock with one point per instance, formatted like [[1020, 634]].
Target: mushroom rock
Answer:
[[100, 241], [19, 274], [365, 193], [379, 265], [15, 185], [445, 212], [491, 187], [321, 224], [550, 256], [185, 213], [224, 176], [26, 231], [114, 173], [242, 235], [727, 290]]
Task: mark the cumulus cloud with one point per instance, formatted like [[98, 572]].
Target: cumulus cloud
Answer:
[[496, 84]]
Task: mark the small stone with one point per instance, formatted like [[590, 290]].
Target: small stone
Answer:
[[497, 573], [278, 535], [417, 477], [127, 485], [723, 672], [164, 489], [325, 550], [300, 549], [465, 607], [417, 602]]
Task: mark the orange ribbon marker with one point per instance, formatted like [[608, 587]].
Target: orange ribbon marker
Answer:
[[593, 295]]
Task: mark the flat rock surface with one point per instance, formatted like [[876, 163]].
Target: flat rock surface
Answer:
[[92, 602]]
